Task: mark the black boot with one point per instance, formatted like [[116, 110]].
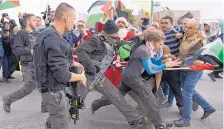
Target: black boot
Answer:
[[216, 75], [211, 75], [94, 107], [11, 77]]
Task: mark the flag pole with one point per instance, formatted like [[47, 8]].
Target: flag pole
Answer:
[[152, 11]]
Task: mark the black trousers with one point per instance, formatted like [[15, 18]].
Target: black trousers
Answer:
[[173, 79], [14, 65]]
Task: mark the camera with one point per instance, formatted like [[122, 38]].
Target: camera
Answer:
[[46, 13], [24, 14], [5, 14]]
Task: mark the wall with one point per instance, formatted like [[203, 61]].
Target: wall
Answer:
[[174, 14]]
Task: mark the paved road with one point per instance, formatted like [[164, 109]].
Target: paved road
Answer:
[[26, 112]]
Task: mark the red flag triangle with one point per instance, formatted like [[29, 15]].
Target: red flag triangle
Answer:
[[16, 2], [107, 7]]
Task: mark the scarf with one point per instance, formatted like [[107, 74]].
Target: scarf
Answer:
[[156, 54], [108, 38]]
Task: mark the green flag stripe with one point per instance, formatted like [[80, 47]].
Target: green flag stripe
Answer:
[[95, 17], [7, 5]]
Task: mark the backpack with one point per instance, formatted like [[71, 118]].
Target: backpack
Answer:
[[40, 57], [126, 49]]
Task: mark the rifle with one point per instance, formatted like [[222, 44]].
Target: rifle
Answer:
[[99, 77], [76, 101]]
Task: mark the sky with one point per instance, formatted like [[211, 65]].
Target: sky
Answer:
[[210, 9]]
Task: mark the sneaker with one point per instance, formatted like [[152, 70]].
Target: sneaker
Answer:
[[11, 77], [216, 75], [207, 114], [181, 123], [139, 124], [6, 106], [195, 106], [6, 80], [164, 126], [167, 104]]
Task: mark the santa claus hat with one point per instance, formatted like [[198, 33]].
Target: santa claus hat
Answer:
[[122, 19], [81, 23]]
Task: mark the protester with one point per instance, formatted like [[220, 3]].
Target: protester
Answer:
[[146, 57], [81, 33], [189, 46], [21, 20], [7, 41], [1, 48], [14, 65], [40, 25], [173, 38], [210, 37]]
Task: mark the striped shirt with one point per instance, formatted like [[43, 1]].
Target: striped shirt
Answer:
[[171, 41]]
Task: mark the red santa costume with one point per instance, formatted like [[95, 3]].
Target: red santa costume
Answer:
[[115, 71], [84, 37]]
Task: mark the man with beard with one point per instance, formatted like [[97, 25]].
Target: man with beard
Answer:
[[173, 36], [124, 33], [93, 50], [23, 48], [40, 26]]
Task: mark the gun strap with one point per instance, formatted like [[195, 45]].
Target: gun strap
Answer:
[[109, 49]]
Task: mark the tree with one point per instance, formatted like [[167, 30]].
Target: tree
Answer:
[[131, 17]]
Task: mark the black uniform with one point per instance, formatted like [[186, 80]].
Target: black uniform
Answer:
[[52, 58]]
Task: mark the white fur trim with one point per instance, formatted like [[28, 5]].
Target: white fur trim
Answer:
[[122, 19], [102, 21], [80, 23]]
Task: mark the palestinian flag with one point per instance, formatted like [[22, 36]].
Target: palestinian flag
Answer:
[[187, 15], [211, 54], [143, 4], [7, 4], [119, 8], [97, 9]]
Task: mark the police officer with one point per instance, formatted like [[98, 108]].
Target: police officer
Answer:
[[54, 51], [23, 48], [93, 50]]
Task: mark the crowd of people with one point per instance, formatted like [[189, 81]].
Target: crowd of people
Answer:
[[143, 76]]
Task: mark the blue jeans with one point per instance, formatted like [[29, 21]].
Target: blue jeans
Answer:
[[189, 80], [5, 65], [167, 91]]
